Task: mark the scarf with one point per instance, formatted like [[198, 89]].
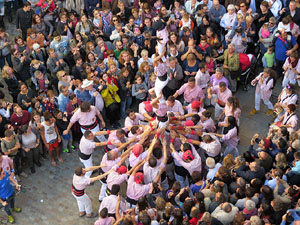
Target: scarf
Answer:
[[294, 64]]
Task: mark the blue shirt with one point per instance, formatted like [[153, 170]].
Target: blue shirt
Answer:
[[85, 96], [6, 190], [63, 101], [281, 48]]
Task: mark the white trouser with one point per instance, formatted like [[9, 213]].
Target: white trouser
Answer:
[[218, 111], [102, 191], [159, 86], [212, 100], [266, 101], [87, 163], [287, 80], [101, 138], [84, 203]]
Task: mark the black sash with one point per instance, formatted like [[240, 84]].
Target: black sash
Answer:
[[83, 156]]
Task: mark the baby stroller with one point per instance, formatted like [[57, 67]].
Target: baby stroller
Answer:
[[248, 64]]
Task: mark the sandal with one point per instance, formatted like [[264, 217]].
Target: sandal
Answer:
[[53, 163], [82, 214], [92, 215]]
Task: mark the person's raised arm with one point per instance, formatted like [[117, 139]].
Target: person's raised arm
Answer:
[[124, 145], [92, 168], [164, 144], [118, 216], [138, 167], [93, 179]]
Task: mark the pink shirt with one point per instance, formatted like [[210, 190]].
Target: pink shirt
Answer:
[[113, 137], [194, 165], [177, 108], [133, 160], [223, 96], [85, 118], [135, 191], [228, 112], [5, 163], [80, 182], [209, 125], [162, 109], [190, 110], [265, 89], [191, 95], [87, 146], [110, 203], [109, 163], [129, 122], [115, 178], [231, 138], [105, 221]]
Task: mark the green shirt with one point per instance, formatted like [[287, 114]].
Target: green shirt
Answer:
[[232, 62], [269, 59], [5, 145], [118, 53]]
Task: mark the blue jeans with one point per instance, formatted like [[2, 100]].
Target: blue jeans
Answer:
[[230, 150], [125, 104]]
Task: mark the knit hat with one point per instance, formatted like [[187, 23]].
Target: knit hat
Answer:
[[196, 104], [122, 170], [210, 162], [249, 205], [188, 155], [35, 46], [137, 149], [189, 123], [139, 178]]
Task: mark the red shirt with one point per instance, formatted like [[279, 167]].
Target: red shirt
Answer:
[[17, 121]]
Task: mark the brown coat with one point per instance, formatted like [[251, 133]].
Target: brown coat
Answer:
[[39, 39]]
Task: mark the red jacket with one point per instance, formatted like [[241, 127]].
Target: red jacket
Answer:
[[16, 121]]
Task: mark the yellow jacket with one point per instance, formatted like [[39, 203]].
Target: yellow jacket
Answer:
[[110, 95]]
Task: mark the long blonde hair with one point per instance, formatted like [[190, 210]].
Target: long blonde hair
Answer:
[[4, 73]]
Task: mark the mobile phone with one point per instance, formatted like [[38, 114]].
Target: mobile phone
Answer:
[[172, 16]]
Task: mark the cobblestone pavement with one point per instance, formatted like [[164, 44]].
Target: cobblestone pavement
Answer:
[[46, 197]]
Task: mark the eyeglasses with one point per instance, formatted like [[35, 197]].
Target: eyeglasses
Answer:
[[271, 23], [111, 56], [64, 75], [242, 6], [115, 20]]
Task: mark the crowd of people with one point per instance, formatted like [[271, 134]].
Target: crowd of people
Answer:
[[170, 71]]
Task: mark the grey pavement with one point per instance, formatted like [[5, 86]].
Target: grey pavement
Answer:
[[46, 195]]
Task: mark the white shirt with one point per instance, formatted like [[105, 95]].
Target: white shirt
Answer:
[[177, 108], [212, 149], [150, 173], [87, 146], [276, 7]]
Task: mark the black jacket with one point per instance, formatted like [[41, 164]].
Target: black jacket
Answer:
[[24, 19]]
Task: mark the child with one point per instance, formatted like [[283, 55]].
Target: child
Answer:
[[139, 89], [264, 88], [41, 81], [239, 23], [210, 64], [186, 22], [265, 33], [50, 103], [268, 59], [51, 137], [62, 124], [157, 6], [97, 18], [144, 58]]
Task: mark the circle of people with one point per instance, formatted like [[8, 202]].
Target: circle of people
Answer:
[[170, 69]]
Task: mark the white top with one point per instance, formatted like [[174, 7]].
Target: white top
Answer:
[[28, 140], [50, 133]]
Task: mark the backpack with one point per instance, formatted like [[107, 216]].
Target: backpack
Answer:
[[274, 81]]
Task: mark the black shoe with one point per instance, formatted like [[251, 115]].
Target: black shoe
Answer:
[[32, 169], [38, 164], [44, 156]]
